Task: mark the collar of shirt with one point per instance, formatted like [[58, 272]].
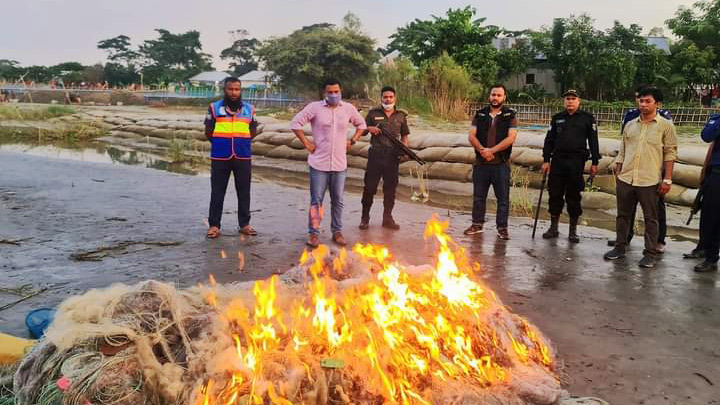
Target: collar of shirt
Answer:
[[654, 119]]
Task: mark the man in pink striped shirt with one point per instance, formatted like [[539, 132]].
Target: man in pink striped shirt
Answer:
[[329, 120]]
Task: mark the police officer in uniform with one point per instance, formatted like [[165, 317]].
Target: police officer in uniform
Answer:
[[710, 213], [565, 153], [383, 157]]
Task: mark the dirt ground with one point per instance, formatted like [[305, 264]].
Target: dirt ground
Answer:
[[627, 335]]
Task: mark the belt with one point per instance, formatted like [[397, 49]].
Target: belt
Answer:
[[715, 169]]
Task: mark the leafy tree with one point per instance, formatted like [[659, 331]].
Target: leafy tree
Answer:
[[9, 69], [173, 57], [68, 67], [119, 51], [242, 52], [122, 67], [516, 59], [601, 64], [94, 73], [307, 56], [693, 65], [462, 37], [37, 73], [698, 25]]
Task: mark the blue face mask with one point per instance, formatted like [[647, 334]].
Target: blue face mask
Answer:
[[333, 99]]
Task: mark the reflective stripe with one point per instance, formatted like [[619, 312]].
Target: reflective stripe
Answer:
[[231, 119], [233, 127], [232, 135]]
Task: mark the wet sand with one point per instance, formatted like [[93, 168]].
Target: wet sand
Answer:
[[628, 335]]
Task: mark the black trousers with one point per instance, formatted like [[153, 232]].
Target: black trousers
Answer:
[[710, 215], [220, 171], [662, 221], [382, 164], [565, 183]]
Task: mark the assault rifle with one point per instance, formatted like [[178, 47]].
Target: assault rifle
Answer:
[[697, 204], [401, 146]]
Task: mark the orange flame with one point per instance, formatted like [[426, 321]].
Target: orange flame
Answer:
[[401, 333]]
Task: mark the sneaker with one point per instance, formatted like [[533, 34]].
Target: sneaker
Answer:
[[390, 224], [706, 267], [695, 254], [474, 229], [647, 262], [313, 240], [364, 223], [503, 234], [615, 254], [339, 239]]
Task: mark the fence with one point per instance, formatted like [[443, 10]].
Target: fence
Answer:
[[192, 95], [539, 114]]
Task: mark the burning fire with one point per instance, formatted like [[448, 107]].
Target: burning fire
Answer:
[[391, 338]]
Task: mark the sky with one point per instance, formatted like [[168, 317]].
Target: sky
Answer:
[[47, 32]]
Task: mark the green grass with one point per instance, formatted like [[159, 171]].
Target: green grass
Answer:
[[24, 113], [521, 201], [70, 135]]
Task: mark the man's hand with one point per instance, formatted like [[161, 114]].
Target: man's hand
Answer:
[[545, 168], [664, 188], [618, 168], [594, 170], [487, 154], [374, 130], [310, 146], [349, 144]]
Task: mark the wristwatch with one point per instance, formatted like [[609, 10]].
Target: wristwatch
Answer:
[[667, 181]]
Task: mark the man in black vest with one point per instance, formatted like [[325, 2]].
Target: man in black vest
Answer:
[[566, 143], [492, 134]]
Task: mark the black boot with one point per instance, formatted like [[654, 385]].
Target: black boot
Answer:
[[389, 222], [572, 233], [553, 231], [365, 219]]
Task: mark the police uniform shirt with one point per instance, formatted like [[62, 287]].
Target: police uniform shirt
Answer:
[[570, 135], [396, 124]]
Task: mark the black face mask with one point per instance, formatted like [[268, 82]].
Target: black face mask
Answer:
[[233, 105]]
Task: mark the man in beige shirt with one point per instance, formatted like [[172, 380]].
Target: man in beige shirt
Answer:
[[649, 145]]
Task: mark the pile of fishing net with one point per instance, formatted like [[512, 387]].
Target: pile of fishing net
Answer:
[[152, 343]]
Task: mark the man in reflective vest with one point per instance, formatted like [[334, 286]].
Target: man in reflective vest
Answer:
[[230, 126]]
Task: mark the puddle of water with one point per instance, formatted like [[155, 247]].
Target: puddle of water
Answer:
[[101, 153]]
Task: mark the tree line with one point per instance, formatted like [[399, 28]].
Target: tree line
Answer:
[[452, 55]]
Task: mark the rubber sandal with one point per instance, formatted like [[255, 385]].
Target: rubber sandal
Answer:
[[248, 230], [213, 232]]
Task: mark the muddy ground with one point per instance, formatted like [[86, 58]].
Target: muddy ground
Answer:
[[627, 335]]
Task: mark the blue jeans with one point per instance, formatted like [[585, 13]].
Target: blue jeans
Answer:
[[320, 181], [499, 177]]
